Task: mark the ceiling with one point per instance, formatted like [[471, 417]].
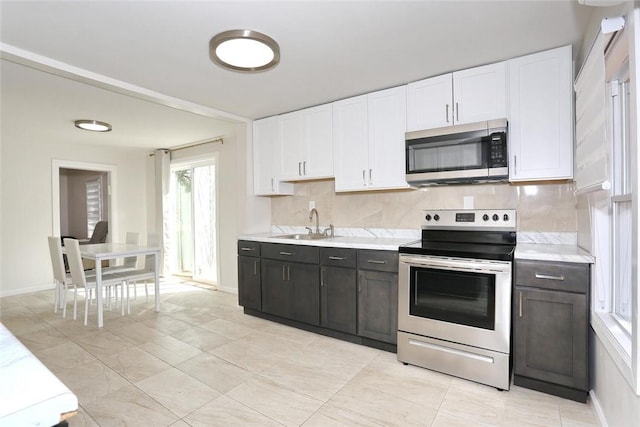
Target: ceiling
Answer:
[[330, 50]]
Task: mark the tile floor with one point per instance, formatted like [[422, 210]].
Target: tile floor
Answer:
[[202, 362]]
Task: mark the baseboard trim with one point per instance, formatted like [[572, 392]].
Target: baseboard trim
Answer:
[[27, 290], [597, 408]]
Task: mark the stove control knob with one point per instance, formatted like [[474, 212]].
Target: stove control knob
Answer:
[[428, 217], [495, 217], [436, 217], [485, 217], [506, 217]]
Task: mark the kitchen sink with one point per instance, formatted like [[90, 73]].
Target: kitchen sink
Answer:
[[303, 236]]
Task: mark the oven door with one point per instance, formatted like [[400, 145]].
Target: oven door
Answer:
[[467, 301]]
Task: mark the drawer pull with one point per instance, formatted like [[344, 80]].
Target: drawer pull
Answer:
[[246, 249], [286, 253], [336, 258], [373, 261], [520, 298], [548, 277]]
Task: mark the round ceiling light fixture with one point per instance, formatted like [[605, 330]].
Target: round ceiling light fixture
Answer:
[[244, 50], [93, 125]]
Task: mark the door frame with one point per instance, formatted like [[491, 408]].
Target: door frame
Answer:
[[112, 193]]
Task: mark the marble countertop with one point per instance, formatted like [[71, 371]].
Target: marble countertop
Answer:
[[30, 395], [378, 239], [531, 245], [553, 252]]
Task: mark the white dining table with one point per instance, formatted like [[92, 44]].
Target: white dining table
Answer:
[[108, 251]]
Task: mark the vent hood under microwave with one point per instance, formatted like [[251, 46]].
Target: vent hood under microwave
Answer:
[[461, 154]]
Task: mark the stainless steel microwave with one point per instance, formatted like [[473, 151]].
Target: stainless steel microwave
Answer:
[[474, 152]]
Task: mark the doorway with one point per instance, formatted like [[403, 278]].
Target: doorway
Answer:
[[77, 217], [192, 222]]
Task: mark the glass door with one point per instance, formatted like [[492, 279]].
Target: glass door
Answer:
[[192, 226]]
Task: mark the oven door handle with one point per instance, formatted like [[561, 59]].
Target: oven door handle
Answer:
[[452, 264]]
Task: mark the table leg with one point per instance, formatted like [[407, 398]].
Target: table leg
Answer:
[[99, 291], [156, 272]]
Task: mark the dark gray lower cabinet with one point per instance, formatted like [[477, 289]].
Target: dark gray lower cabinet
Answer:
[[291, 289], [378, 295], [338, 285], [249, 276], [346, 293], [249, 292], [551, 327]]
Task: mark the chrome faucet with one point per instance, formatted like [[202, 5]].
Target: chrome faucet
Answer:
[[317, 219]]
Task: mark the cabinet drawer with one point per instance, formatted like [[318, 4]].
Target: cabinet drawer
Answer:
[[293, 253], [248, 248], [560, 276], [378, 260], [338, 257]]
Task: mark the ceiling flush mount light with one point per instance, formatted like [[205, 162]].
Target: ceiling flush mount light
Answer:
[[244, 50], [93, 125]]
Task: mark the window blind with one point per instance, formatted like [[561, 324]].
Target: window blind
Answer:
[[592, 154], [94, 204]]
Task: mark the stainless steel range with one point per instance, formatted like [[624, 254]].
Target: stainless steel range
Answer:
[[454, 296]]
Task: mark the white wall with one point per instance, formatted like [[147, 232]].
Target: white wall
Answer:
[[26, 210]]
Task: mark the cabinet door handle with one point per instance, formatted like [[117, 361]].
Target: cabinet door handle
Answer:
[[299, 168], [447, 112], [549, 277], [336, 258], [373, 261], [288, 273], [304, 168], [370, 178], [283, 276], [286, 253], [520, 303], [272, 187], [515, 165], [255, 268], [364, 180], [322, 277], [457, 113]]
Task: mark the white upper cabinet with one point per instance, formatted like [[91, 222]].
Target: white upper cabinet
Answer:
[[306, 138], [541, 116], [351, 143], [429, 103], [266, 159], [465, 96], [369, 141]]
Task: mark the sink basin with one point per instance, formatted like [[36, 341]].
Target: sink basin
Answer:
[[303, 236]]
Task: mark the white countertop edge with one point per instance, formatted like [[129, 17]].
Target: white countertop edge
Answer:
[[355, 242], [552, 252]]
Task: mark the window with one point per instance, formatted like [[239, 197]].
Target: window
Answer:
[[614, 213], [621, 197], [94, 204]]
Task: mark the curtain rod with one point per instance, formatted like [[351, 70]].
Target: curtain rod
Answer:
[[197, 144]]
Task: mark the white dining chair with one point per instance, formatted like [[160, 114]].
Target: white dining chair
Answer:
[[129, 264], [143, 265], [81, 280], [62, 280]]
